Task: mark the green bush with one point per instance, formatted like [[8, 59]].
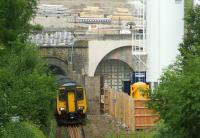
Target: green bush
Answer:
[[163, 130], [26, 87], [22, 130], [52, 133], [178, 95]]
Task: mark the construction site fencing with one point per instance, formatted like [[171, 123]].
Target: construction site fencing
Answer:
[[134, 113]]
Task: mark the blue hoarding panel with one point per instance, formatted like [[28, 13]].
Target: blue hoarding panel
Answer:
[[139, 76], [126, 86]]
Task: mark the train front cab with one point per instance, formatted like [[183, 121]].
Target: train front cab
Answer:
[[71, 105]]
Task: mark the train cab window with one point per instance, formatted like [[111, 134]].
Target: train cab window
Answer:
[[79, 93], [62, 95]]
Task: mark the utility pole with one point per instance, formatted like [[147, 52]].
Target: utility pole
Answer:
[[72, 48]]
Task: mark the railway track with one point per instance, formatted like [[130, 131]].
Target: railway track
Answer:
[[70, 131]]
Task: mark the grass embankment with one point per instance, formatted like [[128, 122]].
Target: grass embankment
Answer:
[[52, 133], [27, 130], [22, 130]]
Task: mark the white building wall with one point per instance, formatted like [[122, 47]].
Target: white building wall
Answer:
[[152, 39], [98, 49], [196, 2], [165, 29], [171, 30]]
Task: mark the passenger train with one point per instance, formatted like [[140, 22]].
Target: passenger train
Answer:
[[71, 102]]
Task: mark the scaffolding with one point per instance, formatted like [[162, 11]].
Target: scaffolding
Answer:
[[52, 38], [138, 30]]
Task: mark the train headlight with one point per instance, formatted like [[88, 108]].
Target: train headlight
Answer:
[[62, 109], [81, 107]]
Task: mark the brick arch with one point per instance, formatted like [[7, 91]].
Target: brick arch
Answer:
[[57, 63]]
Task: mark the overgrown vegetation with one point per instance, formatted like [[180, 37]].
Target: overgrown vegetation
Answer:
[[178, 95], [22, 130], [15, 16], [26, 86], [188, 6]]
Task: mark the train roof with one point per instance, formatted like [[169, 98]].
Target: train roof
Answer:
[[64, 80], [69, 84]]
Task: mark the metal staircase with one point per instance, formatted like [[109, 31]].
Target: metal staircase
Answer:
[[138, 30]]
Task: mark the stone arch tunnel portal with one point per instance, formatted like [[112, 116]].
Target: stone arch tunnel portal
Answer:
[[57, 66]]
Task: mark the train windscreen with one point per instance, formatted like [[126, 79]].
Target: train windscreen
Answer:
[[79, 93], [62, 95]]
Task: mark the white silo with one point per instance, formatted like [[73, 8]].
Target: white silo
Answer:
[[196, 2], [165, 29]]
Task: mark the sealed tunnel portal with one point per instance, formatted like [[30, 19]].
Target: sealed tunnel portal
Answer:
[[114, 73]]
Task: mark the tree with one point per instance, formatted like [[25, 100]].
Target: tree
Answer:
[[191, 44], [26, 85], [15, 16], [178, 95]]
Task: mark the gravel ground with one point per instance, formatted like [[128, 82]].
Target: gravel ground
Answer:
[[103, 126], [100, 126]]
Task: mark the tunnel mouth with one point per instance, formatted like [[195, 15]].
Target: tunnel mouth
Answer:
[[55, 70]]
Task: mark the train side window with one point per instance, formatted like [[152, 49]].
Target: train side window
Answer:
[[79, 93], [62, 95]]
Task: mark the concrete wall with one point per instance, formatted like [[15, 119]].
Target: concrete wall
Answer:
[[98, 49], [124, 54], [92, 86], [80, 60]]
